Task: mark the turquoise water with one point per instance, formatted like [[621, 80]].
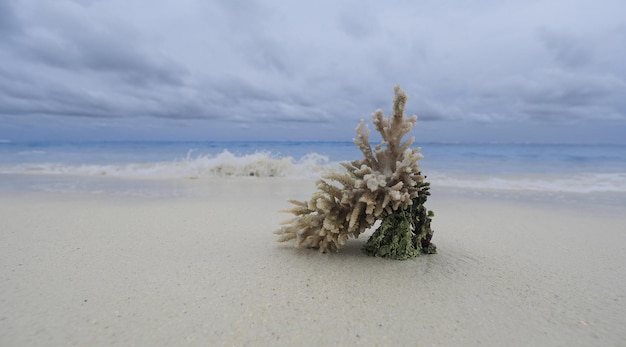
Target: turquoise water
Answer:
[[558, 167]]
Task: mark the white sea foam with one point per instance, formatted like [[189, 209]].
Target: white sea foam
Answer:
[[580, 183], [313, 165], [259, 164]]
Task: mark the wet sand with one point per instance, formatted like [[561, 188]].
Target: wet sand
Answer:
[[200, 266]]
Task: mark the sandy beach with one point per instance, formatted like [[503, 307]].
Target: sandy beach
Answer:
[[202, 267]]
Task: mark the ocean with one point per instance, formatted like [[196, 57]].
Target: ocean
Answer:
[[569, 168]]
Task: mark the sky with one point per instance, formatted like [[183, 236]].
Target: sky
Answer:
[[474, 70]]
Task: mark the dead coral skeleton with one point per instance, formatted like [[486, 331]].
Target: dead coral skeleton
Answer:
[[387, 179]]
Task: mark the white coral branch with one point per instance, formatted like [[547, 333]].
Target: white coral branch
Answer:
[[345, 205]]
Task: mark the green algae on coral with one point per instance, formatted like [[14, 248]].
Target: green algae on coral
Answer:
[[393, 238], [403, 233], [386, 185]]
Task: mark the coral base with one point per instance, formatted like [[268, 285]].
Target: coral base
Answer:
[[393, 238]]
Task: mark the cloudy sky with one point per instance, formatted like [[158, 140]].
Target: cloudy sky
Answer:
[[474, 70]]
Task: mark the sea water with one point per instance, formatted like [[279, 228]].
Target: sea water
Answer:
[[569, 168]]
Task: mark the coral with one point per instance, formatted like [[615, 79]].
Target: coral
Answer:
[[386, 185], [393, 238], [404, 233]]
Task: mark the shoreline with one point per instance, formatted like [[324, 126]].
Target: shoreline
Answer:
[[202, 267], [199, 187]]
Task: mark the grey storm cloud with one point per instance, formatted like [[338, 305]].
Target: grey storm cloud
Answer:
[[8, 20], [358, 21], [554, 95], [60, 63], [250, 61], [569, 51]]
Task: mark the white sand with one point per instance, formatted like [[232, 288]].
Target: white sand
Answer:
[[204, 269]]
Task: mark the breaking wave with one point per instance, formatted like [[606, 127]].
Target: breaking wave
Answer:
[[259, 164], [313, 165]]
